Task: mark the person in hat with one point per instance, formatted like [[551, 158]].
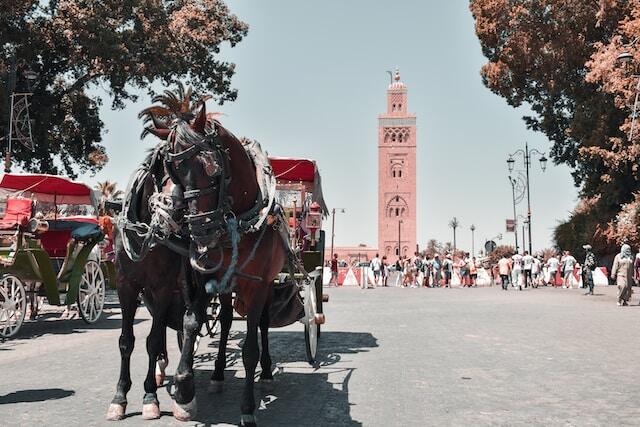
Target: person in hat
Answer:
[[588, 266]]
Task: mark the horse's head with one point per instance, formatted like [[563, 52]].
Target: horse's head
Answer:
[[195, 160]]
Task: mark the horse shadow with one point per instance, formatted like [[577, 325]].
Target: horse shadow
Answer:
[[300, 395]]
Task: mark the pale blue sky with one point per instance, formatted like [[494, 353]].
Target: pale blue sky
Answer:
[[311, 80]]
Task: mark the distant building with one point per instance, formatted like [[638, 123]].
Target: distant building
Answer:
[[397, 174], [396, 182]]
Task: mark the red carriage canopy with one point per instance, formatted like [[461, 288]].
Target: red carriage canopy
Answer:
[[288, 169], [47, 188], [296, 170]]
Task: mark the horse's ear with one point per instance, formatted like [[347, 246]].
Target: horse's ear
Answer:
[[160, 133], [201, 120]]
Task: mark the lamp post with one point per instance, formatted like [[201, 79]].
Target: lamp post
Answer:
[[333, 226], [625, 58], [454, 223], [473, 246], [16, 69], [399, 240], [527, 155], [513, 182]]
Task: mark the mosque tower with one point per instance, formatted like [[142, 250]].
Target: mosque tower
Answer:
[[396, 175]]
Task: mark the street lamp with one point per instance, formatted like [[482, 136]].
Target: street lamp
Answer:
[[473, 248], [333, 226], [625, 58], [454, 223], [399, 241], [513, 183], [527, 155]]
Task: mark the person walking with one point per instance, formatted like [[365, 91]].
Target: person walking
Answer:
[[436, 266], [473, 271], [516, 270], [622, 272], [384, 270], [536, 270], [504, 269], [334, 270], [527, 265], [376, 267], [636, 269], [552, 268], [448, 270], [588, 266], [569, 263]]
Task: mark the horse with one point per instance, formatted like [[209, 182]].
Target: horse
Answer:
[[157, 277], [219, 184]]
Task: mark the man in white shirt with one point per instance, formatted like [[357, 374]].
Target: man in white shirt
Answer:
[[516, 272], [552, 268], [376, 266], [527, 265], [536, 269], [568, 266]]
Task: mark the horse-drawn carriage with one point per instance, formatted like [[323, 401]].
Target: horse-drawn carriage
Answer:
[[48, 248], [299, 194]]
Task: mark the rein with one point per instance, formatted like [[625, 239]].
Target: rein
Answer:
[[208, 228]]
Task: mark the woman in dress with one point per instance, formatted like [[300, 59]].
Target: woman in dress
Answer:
[[622, 272]]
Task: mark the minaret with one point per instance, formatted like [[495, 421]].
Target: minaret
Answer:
[[396, 174]]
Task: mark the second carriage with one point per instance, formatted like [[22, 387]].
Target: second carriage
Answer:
[[297, 298]]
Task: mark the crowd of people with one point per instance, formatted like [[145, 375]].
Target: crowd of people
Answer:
[[519, 271]]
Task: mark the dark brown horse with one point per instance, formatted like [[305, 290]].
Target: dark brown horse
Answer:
[[220, 188], [157, 276]]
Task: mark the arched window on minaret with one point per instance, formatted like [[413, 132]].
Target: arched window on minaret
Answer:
[[397, 207]]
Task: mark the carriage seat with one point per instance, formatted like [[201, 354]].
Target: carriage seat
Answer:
[[86, 233], [18, 214]]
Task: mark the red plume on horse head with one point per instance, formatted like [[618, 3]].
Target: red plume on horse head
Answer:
[[174, 106]]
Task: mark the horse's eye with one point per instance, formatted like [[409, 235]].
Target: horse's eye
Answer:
[[209, 164]]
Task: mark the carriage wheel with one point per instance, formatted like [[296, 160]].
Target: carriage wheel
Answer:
[[213, 315], [13, 305], [91, 292], [311, 328]]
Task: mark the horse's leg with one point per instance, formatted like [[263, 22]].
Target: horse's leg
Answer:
[[128, 297], [226, 318], [150, 404], [184, 407], [250, 354], [163, 360], [266, 375]]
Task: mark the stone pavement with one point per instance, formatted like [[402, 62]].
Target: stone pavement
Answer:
[[389, 356]]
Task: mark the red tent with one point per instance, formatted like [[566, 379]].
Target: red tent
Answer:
[[47, 188]]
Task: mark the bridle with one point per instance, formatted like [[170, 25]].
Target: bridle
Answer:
[[206, 228]]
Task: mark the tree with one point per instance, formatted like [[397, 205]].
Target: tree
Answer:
[[108, 190], [558, 56], [122, 46]]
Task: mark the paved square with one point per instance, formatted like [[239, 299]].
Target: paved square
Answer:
[[389, 356]]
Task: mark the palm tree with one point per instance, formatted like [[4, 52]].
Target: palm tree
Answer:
[[107, 191], [454, 224]]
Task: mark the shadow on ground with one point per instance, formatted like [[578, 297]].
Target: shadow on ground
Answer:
[[300, 395], [37, 395]]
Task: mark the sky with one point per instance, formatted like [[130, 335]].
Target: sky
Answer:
[[312, 80]]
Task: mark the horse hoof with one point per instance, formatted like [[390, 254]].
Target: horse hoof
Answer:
[[217, 386], [248, 421], [160, 380], [150, 411], [185, 412], [116, 411], [266, 383]]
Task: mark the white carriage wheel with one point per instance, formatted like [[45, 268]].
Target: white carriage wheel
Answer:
[[13, 305], [310, 325], [91, 292]]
